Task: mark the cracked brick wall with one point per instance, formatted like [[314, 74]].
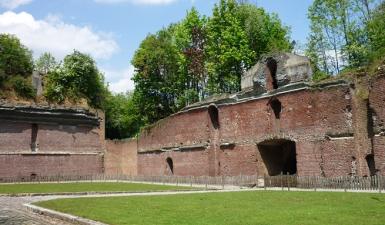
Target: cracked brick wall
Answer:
[[325, 122]]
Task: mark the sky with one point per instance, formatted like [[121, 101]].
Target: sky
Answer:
[[111, 30]]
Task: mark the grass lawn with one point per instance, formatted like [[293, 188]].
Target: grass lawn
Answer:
[[83, 187], [257, 207]]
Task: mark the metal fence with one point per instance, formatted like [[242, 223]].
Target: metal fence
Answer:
[[282, 181]]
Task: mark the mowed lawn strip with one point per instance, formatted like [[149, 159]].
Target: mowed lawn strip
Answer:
[[84, 187], [255, 207]]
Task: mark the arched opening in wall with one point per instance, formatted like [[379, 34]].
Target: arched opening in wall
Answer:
[[276, 106], [214, 116], [271, 76], [371, 164], [279, 156], [33, 176], [34, 144], [170, 166]]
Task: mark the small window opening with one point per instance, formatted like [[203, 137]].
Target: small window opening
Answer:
[[213, 112], [170, 166], [34, 143], [371, 164], [276, 106], [33, 176], [271, 65]]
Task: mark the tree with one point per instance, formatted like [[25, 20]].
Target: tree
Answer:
[[265, 32], [77, 78], [339, 35], [122, 117], [15, 58], [375, 28], [45, 63], [156, 76], [190, 40], [228, 52]]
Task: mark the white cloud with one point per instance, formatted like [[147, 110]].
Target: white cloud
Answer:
[[138, 2], [54, 36], [122, 79], [13, 4]]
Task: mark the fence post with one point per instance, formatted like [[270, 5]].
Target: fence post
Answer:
[[223, 182], [281, 180], [206, 182], [264, 182], [288, 182], [379, 183]]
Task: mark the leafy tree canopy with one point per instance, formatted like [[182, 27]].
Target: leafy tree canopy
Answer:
[[15, 58], [77, 78], [45, 63]]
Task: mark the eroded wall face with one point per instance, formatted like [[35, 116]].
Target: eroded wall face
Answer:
[[319, 121], [49, 150], [377, 107], [27, 165], [121, 157], [187, 163]]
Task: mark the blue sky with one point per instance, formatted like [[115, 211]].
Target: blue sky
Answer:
[[111, 30]]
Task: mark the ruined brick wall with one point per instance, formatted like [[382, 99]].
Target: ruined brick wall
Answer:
[[15, 136], [377, 114], [121, 157], [47, 149], [26, 165], [319, 120]]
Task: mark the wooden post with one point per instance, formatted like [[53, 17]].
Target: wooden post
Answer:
[[223, 182], [281, 180], [379, 183], [288, 182]]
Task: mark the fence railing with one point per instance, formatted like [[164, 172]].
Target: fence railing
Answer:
[[283, 181]]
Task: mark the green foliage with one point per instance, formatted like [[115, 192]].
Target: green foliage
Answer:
[[200, 56], [228, 51], [45, 63], [122, 117], [77, 78], [23, 87], [15, 58], [345, 33], [375, 28]]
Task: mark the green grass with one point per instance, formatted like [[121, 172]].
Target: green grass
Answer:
[[257, 207], [83, 187]]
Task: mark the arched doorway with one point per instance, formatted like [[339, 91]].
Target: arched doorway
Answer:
[[170, 166], [279, 156]]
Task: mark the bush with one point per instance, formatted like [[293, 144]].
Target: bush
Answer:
[[15, 58], [23, 87]]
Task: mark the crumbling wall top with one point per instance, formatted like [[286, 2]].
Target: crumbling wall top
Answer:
[[276, 70]]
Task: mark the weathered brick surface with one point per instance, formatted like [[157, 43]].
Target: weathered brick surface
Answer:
[[121, 157], [183, 129], [379, 153], [24, 165], [68, 138], [15, 136], [321, 121], [61, 150], [186, 163]]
